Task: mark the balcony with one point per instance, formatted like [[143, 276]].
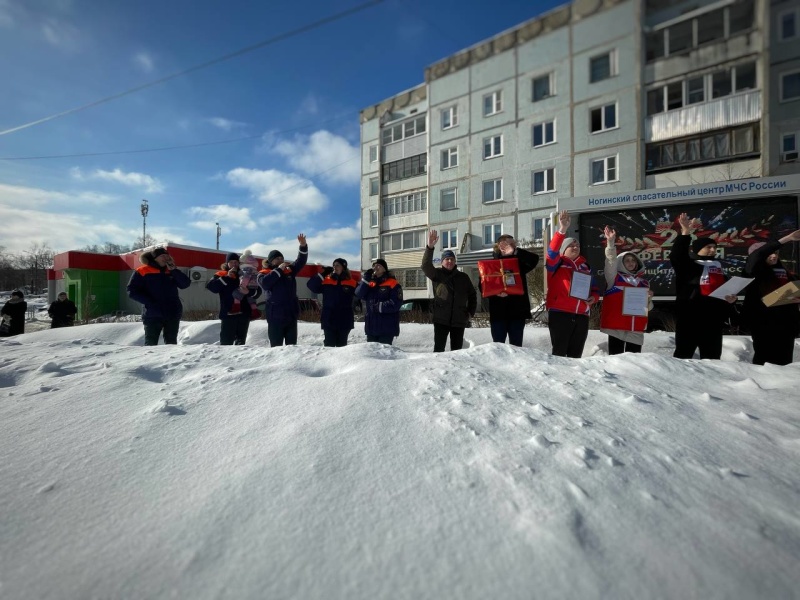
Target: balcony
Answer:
[[741, 108]]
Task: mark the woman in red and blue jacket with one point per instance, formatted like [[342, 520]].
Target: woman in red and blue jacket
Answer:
[[383, 296], [567, 306], [625, 332], [338, 291]]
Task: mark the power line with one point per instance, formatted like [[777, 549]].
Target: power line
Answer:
[[245, 50], [178, 147]]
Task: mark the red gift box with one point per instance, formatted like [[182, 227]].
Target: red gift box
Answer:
[[500, 275]]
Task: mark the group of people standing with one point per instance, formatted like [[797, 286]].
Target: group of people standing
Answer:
[[62, 313]]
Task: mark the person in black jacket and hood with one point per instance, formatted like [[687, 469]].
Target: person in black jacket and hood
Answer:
[[155, 285], [13, 313], [62, 312], [700, 317], [454, 297], [507, 314], [773, 328]]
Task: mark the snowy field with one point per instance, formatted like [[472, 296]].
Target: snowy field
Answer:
[[199, 471]]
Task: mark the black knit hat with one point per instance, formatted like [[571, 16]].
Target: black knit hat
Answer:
[[701, 243], [158, 252], [341, 261], [231, 256], [18, 293], [380, 262], [273, 255]]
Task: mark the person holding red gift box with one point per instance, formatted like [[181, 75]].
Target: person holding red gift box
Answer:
[[508, 312], [570, 292]]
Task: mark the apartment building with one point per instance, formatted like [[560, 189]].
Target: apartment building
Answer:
[[595, 98]]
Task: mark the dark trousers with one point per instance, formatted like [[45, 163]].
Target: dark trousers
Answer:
[[381, 339], [282, 334], [693, 333], [336, 338], [773, 346], [153, 328], [233, 331], [440, 333], [511, 328], [568, 333], [618, 346]]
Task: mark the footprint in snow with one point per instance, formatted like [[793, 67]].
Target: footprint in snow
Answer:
[[541, 441], [542, 410], [746, 417], [167, 408]]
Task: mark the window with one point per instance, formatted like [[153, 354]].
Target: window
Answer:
[[679, 37], [604, 170], [790, 86], [544, 133], [695, 90], [543, 87], [492, 146], [373, 218], [741, 16], [539, 227], [407, 240], [789, 143], [492, 103], [374, 186], [720, 146], [449, 158], [654, 45], [373, 153], [675, 95], [701, 89], [407, 129], [491, 233], [449, 117], [602, 67], [447, 199], [449, 239], [493, 190], [604, 118], [721, 84], [745, 76], [411, 279], [373, 252], [544, 181], [711, 26], [787, 26], [405, 168], [655, 101], [405, 203]]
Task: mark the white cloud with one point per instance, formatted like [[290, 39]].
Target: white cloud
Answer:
[[132, 179], [309, 106], [144, 61], [37, 197], [229, 217], [288, 194], [325, 154], [323, 246], [225, 124], [61, 35]]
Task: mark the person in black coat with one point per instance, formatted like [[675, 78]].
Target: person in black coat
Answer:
[[278, 279], [774, 328], [338, 291], [155, 285], [383, 296], [454, 297], [62, 312], [508, 313], [235, 308], [13, 313], [700, 317]]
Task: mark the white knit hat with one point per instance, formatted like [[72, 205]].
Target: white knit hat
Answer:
[[566, 243]]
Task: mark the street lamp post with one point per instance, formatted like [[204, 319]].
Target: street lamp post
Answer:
[[145, 209]]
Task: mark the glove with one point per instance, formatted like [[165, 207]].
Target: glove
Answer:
[[327, 271], [367, 276]]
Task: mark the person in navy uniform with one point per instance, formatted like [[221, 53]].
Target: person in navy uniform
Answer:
[[338, 290], [383, 296]]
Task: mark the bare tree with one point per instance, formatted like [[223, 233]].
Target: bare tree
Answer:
[[10, 276], [35, 261], [148, 240]]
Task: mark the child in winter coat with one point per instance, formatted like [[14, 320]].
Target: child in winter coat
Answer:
[[625, 332], [383, 295], [570, 293], [236, 301]]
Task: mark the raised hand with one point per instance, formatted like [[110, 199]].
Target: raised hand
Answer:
[[610, 234], [433, 237], [564, 221], [302, 239], [686, 224]]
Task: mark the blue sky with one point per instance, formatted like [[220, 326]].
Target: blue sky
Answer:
[[297, 100]]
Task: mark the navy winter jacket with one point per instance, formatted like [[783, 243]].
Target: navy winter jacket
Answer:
[[225, 285], [156, 288], [337, 300], [383, 297], [280, 291]]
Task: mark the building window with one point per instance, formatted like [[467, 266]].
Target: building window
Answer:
[[401, 131], [539, 227], [544, 133], [740, 16], [449, 239], [602, 67], [787, 25], [411, 279], [706, 148], [373, 153], [492, 190], [491, 233], [789, 147], [695, 90], [374, 186], [492, 103], [604, 118], [373, 218], [449, 117], [680, 37], [544, 87], [790, 86], [604, 170], [373, 251], [405, 168], [407, 240], [711, 26], [544, 181], [405, 203], [447, 199], [745, 76], [449, 158], [492, 146]]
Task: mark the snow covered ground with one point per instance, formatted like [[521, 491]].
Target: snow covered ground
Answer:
[[200, 471]]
